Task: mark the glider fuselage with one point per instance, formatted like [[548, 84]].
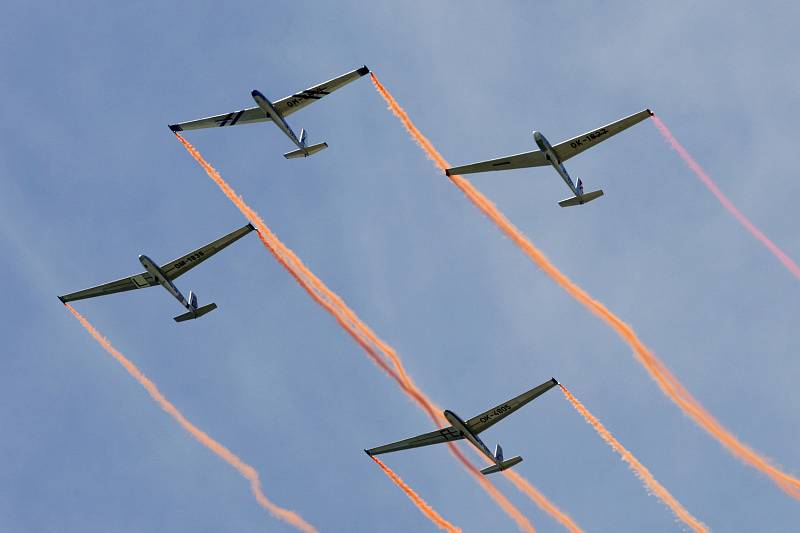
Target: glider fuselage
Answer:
[[545, 146], [157, 273], [460, 425], [269, 109]]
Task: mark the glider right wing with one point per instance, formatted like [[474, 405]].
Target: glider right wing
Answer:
[[494, 415], [295, 102], [183, 264], [576, 145], [434, 437], [528, 159]]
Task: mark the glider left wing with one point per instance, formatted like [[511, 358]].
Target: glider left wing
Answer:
[[245, 116], [434, 437], [537, 158], [138, 281]]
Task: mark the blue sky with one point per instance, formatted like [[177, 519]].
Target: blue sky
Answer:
[[92, 177]]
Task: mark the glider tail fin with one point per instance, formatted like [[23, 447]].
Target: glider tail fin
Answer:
[[584, 198], [194, 311], [504, 465], [499, 463], [305, 151]]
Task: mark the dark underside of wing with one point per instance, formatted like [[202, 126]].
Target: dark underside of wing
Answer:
[[185, 263], [572, 147], [434, 437], [536, 158], [494, 415], [138, 281]]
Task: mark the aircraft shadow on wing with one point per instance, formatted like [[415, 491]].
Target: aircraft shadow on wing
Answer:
[[470, 429], [555, 156], [277, 112], [164, 275]]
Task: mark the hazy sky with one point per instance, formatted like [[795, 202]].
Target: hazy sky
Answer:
[[92, 177]]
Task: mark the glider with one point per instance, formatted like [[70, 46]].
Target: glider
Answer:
[[470, 429], [277, 112], [548, 154], [164, 275]]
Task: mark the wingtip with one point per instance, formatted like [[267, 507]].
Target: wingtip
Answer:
[[251, 226], [363, 70], [367, 452], [447, 172], [61, 299], [555, 381], [175, 128], [650, 112]]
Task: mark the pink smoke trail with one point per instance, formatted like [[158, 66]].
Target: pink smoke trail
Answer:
[[724, 200]]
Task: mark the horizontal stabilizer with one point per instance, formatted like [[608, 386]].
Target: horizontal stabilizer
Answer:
[[582, 199], [197, 313], [504, 465], [305, 152]]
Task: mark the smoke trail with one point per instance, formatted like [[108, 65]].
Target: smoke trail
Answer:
[[638, 468], [312, 285], [724, 200], [539, 499], [426, 509], [522, 522], [663, 377], [225, 454], [352, 324]]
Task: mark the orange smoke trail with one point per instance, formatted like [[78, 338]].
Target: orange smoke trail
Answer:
[[351, 323], [539, 499], [426, 509], [289, 260], [724, 200], [663, 377], [522, 522], [638, 468], [306, 279], [228, 456]]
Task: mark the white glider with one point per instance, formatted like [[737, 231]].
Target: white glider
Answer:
[[277, 113], [470, 429], [548, 154], [163, 275]]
